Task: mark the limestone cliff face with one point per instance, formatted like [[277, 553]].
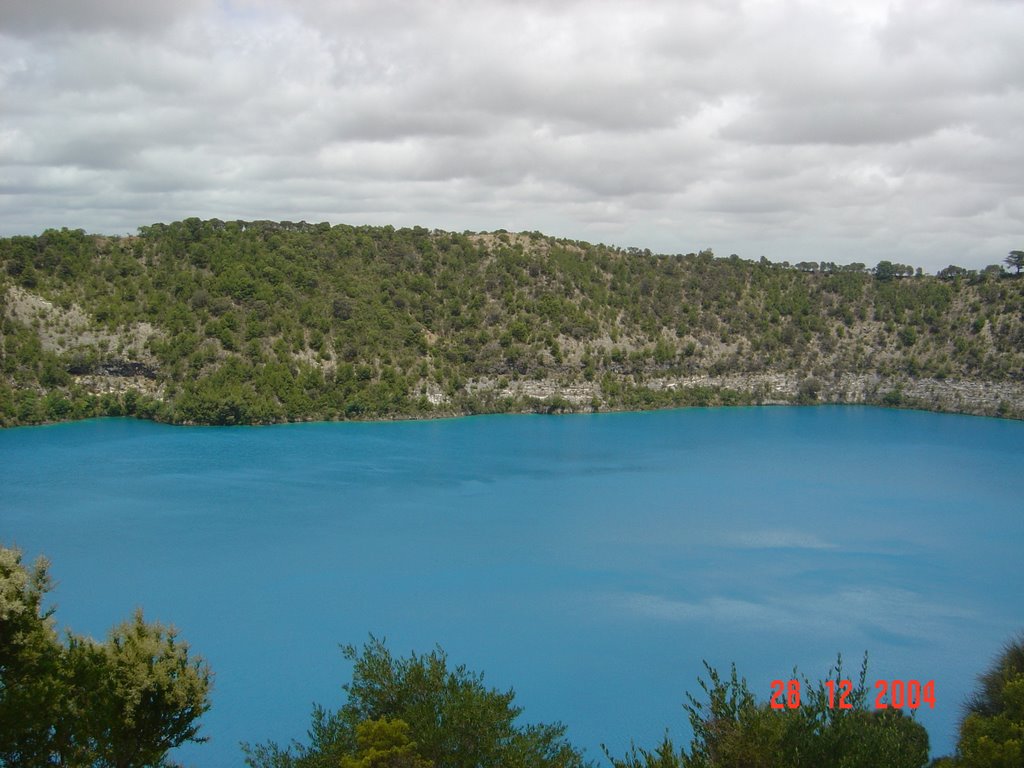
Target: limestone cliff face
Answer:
[[980, 398], [101, 360]]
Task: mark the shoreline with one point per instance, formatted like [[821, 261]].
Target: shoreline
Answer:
[[1003, 400]]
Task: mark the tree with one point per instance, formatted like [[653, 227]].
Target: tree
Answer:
[[993, 272], [1016, 260], [731, 729], [122, 703], [149, 695], [992, 730], [886, 270], [952, 272], [454, 720], [29, 661], [384, 743]]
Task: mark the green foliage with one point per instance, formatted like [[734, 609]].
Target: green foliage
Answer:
[[886, 270], [29, 661], [732, 729], [452, 718], [808, 391], [250, 322], [125, 702], [992, 731], [149, 693], [384, 743], [952, 272]]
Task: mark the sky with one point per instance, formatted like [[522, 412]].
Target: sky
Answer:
[[835, 130]]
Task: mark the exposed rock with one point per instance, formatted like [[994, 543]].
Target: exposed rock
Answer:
[[962, 396], [70, 329]]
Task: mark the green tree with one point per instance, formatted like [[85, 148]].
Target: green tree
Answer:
[[886, 270], [1015, 259], [952, 272], [732, 729], [384, 743], [124, 703], [453, 718], [29, 662], [992, 731], [149, 695]]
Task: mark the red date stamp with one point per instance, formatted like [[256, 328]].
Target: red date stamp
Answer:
[[891, 694]]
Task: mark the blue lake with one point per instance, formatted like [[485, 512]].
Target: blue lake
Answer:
[[590, 562]]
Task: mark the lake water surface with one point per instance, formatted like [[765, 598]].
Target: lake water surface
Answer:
[[590, 562]]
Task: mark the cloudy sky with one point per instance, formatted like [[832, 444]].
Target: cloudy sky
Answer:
[[840, 130]]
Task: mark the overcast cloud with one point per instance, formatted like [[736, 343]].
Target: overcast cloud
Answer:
[[839, 130]]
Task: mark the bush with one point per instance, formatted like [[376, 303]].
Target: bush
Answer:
[[453, 719], [992, 731], [732, 729], [125, 702]]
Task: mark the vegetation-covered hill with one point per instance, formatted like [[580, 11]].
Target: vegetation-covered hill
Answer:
[[251, 322]]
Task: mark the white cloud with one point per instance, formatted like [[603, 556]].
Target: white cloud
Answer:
[[845, 131], [851, 611]]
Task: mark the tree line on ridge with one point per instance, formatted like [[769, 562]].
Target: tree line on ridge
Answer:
[[214, 322]]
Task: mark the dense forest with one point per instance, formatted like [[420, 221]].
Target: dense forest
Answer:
[[214, 322], [129, 701]]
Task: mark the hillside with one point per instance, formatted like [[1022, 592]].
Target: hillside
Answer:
[[252, 322]]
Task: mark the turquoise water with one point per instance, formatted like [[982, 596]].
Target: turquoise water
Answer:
[[591, 562]]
